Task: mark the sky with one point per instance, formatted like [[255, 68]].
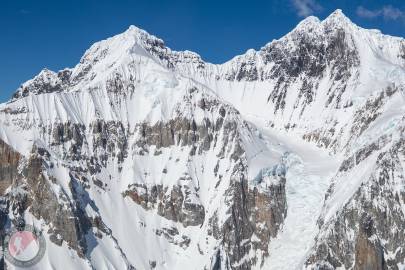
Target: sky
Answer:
[[55, 34]]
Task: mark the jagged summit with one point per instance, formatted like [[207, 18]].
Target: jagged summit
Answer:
[[105, 56], [338, 19], [136, 30], [337, 15], [308, 22], [135, 41]]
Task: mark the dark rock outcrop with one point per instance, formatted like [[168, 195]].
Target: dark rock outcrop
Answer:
[[255, 216], [9, 160], [45, 82], [367, 232], [64, 214], [177, 203]]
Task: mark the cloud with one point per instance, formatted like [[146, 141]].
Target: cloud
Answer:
[[366, 13], [386, 12], [305, 8], [392, 13]]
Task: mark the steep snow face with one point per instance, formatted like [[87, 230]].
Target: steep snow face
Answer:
[[141, 144], [166, 176], [140, 153]]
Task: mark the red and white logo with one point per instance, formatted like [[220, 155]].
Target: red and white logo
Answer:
[[23, 246]]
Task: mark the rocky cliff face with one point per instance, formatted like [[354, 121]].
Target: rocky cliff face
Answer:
[[367, 233], [255, 216], [9, 166], [141, 157]]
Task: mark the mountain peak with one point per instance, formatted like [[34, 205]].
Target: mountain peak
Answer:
[[313, 25], [337, 17], [309, 21], [124, 41], [134, 28], [338, 13], [138, 33]]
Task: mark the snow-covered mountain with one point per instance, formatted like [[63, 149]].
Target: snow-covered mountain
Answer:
[[141, 157]]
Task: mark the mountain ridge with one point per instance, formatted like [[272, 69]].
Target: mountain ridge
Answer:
[[140, 36]]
